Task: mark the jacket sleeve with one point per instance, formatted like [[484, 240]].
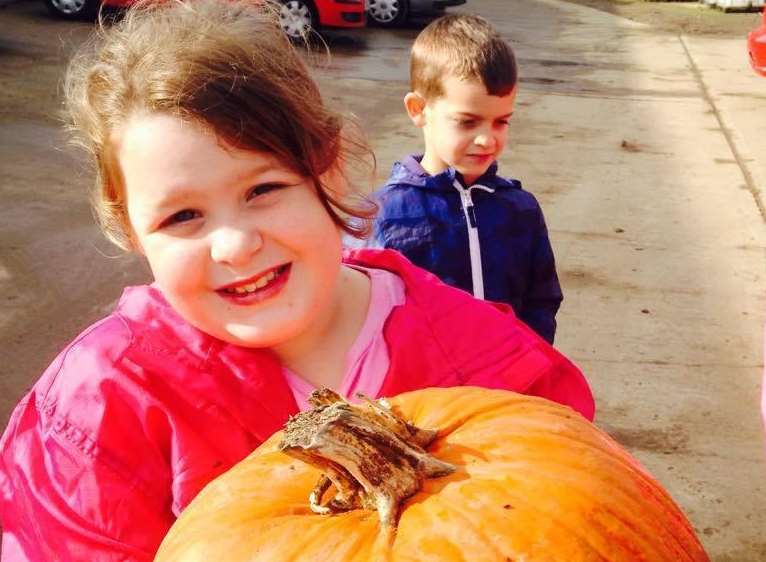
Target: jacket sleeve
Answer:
[[486, 345], [378, 238], [400, 219], [544, 296], [62, 501], [564, 383], [83, 474], [532, 366]]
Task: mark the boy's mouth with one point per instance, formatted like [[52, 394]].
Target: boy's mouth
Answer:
[[481, 157], [257, 288]]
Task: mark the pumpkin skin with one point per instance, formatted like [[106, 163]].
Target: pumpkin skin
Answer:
[[536, 482]]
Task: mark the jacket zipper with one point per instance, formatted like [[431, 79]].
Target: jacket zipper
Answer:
[[474, 248]]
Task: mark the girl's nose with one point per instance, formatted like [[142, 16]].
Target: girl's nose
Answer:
[[234, 246]]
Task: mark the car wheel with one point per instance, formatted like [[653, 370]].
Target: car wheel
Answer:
[[73, 9], [297, 18], [388, 13]]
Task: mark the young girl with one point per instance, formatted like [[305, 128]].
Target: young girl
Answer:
[[218, 162]]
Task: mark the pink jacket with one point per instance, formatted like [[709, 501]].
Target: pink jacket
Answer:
[[142, 410]]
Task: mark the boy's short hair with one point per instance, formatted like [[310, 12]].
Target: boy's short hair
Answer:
[[464, 46]]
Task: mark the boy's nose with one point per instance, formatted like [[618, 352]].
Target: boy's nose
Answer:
[[234, 246], [484, 140]]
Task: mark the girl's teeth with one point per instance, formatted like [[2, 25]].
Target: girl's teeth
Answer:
[[259, 284], [263, 281]]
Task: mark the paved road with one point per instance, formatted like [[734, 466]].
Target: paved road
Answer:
[[643, 149]]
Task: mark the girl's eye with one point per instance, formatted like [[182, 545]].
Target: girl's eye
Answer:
[[181, 216], [265, 188], [467, 123]]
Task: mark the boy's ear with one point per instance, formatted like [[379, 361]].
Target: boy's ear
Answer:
[[415, 104]]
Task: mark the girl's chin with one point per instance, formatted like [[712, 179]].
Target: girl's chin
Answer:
[[261, 336]]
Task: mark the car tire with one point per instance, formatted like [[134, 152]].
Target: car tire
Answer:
[[298, 18], [388, 13], [73, 9]]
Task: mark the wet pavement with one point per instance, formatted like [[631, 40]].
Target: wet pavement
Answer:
[[643, 149]]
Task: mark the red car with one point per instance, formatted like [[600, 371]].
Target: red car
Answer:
[[756, 44], [296, 16]]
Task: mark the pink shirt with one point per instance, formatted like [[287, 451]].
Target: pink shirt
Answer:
[[367, 361]]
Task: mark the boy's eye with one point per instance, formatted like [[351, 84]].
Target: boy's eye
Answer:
[[181, 216], [466, 122]]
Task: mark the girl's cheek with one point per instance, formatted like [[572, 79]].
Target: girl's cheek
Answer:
[[175, 263]]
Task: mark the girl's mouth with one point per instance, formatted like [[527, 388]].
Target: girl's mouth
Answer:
[[257, 289]]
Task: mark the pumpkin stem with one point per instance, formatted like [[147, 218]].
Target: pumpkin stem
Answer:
[[373, 457]]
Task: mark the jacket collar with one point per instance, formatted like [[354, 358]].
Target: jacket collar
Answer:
[[410, 171], [391, 260], [218, 373]]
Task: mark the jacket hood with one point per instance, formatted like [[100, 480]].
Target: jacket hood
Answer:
[[409, 171]]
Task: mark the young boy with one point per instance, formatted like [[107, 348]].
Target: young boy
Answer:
[[448, 211]]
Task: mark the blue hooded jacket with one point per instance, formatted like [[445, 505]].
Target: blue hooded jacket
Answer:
[[489, 238]]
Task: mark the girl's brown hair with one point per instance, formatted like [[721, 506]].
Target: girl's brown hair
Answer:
[[466, 47], [226, 64]]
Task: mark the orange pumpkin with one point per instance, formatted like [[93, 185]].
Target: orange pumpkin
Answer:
[[534, 482]]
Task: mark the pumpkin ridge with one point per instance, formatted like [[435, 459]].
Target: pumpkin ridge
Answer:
[[603, 449], [560, 522], [466, 520], [572, 485], [445, 430], [533, 432], [521, 503], [542, 421], [316, 530]]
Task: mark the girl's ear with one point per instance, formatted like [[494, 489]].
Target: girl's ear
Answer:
[[415, 105], [137, 248], [334, 179], [135, 244]]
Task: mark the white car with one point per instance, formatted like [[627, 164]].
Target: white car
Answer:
[[389, 13]]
